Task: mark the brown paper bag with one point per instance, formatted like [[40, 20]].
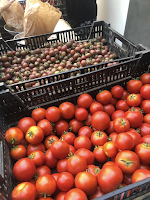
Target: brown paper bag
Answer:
[[14, 16], [40, 18]]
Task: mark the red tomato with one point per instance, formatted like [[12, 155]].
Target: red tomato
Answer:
[[146, 119], [46, 184], [97, 193], [145, 139], [71, 149], [122, 105], [113, 101], [86, 131], [110, 129], [60, 149], [81, 114], [142, 166], [84, 101], [109, 109], [53, 114], [134, 99], [100, 120], [65, 181], [42, 170], [109, 178], [75, 125], [110, 149], [38, 114], [34, 135], [87, 122], [127, 161], [99, 154], [87, 154], [82, 142], [25, 123], [86, 182], [143, 151], [62, 165], [68, 137], [50, 160], [145, 91], [145, 106], [134, 86], [127, 179], [24, 169], [37, 157], [55, 175], [121, 124], [95, 106], [117, 113], [47, 198], [125, 94], [49, 140], [124, 141], [140, 174], [60, 196], [76, 164], [24, 191], [14, 136], [17, 152], [109, 163], [46, 126], [67, 110], [93, 169], [135, 118], [104, 97], [144, 129], [145, 78], [112, 136], [61, 126], [75, 194], [34, 147], [135, 135], [24, 142], [117, 91], [98, 138]]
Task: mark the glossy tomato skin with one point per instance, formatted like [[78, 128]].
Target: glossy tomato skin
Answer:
[[65, 181], [144, 129], [75, 125], [100, 120], [71, 149], [121, 124], [55, 175], [93, 169], [145, 139], [81, 114], [75, 194], [50, 160], [86, 182], [124, 141], [143, 152], [142, 166], [42, 170], [117, 91], [112, 136], [134, 117], [122, 105], [61, 126], [82, 142], [110, 128], [145, 106], [134, 99], [98, 138], [24, 169], [37, 157], [104, 97], [127, 179], [14, 136], [140, 174], [97, 193], [34, 135], [68, 137], [96, 106], [87, 154], [67, 110], [135, 135], [53, 114], [38, 114], [87, 122], [117, 113], [24, 191], [49, 140], [109, 109], [127, 161], [134, 86], [60, 196], [84, 101], [17, 152], [86, 131], [47, 198], [125, 94], [145, 91], [60, 149], [34, 147], [146, 118], [99, 154], [62, 165], [25, 123], [145, 78], [110, 149], [46, 126], [108, 163]]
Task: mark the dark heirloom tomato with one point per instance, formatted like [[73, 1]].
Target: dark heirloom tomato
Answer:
[[140, 174], [104, 97], [67, 110], [121, 124], [46, 126], [34, 135], [14, 136], [75, 194], [134, 86], [25, 123], [87, 154], [38, 114], [84, 100]]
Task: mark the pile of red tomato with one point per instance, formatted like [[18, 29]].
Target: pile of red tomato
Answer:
[[86, 150]]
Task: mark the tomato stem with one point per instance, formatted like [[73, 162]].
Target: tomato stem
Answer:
[[128, 163], [146, 144], [30, 134]]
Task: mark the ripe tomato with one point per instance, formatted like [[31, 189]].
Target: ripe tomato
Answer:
[[100, 120], [127, 179], [68, 137], [87, 154], [37, 157], [112, 136], [134, 99], [50, 160], [60, 196], [71, 149], [24, 142], [86, 131], [125, 94], [17, 152], [142, 166], [49, 140], [76, 164], [109, 178], [61, 126], [110, 128], [87, 122], [122, 105], [143, 151], [14, 136], [97, 193], [25, 123], [84, 101], [110, 149], [46, 126], [140, 174], [135, 118], [60, 149], [46, 185], [93, 169], [53, 114], [47, 198], [109, 109], [55, 175], [24, 169], [34, 135], [144, 129], [98, 138], [24, 191], [109, 163], [75, 194], [145, 78], [95, 106], [127, 161], [67, 110], [34, 147], [145, 106], [113, 101], [38, 114], [145, 91], [87, 182], [134, 86], [124, 141], [75, 125], [81, 114], [62, 165], [117, 91], [65, 181], [135, 135], [145, 139], [121, 124], [146, 119], [104, 97], [42, 170], [117, 113], [82, 142], [99, 154]]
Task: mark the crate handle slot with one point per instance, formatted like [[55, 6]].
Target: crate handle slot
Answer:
[[1, 161]]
